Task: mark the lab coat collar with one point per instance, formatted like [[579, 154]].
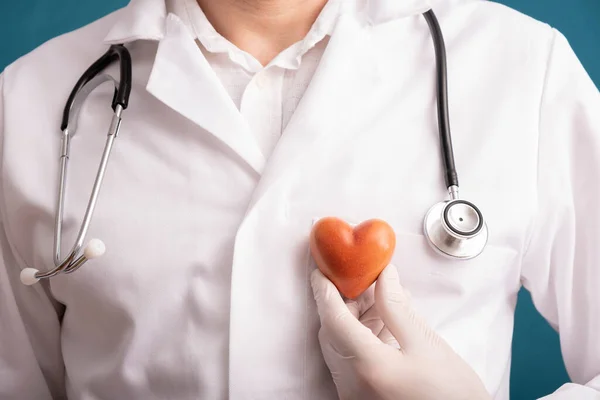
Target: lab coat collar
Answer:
[[178, 65], [145, 19], [183, 79], [139, 20], [382, 11]]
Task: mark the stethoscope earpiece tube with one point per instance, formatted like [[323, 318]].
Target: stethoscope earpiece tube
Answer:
[[87, 83], [451, 176], [122, 93]]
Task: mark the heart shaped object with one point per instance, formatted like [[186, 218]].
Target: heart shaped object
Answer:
[[352, 257]]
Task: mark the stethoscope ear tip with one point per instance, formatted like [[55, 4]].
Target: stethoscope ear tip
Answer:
[[28, 276], [94, 249]]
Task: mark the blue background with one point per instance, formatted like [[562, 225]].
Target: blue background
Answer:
[[537, 365]]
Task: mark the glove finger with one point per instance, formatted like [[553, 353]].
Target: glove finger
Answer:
[[361, 307], [393, 303], [345, 332], [371, 320], [366, 300], [353, 307], [386, 337]]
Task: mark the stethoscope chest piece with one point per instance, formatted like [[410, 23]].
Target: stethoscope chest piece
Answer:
[[456, 229]]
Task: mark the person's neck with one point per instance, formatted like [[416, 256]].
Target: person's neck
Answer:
[[262, 28]]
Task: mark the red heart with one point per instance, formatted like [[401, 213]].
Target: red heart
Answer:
[[352, 258]]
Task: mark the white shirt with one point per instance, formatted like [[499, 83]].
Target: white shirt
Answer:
[[266, 96]]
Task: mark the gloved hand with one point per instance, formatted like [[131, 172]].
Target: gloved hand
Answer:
[[387, 351]]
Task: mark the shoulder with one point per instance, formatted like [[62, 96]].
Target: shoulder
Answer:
[[496, 29], [50, 65], [475, 32], [488, 45]]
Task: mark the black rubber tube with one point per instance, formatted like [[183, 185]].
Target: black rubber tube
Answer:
[[450, 175], [115, 53]]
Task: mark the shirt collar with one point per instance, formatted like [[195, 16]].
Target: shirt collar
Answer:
[[145, 19], [202, 30]]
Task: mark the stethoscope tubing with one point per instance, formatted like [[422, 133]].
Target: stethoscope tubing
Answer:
[[450, 174]]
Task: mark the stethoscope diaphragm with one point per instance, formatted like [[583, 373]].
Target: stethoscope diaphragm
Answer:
[[456, 228]]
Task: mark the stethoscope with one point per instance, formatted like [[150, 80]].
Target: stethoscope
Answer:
[[454, 228]]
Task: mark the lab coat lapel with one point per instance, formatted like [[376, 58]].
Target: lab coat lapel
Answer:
[[183, 79], [347, 77]]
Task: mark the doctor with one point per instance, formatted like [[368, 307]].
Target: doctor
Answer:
[[247, 121]]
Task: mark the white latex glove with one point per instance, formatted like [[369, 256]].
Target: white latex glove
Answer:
[[361, 350]]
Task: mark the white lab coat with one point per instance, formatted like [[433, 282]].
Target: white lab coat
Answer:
[[204, 293]]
